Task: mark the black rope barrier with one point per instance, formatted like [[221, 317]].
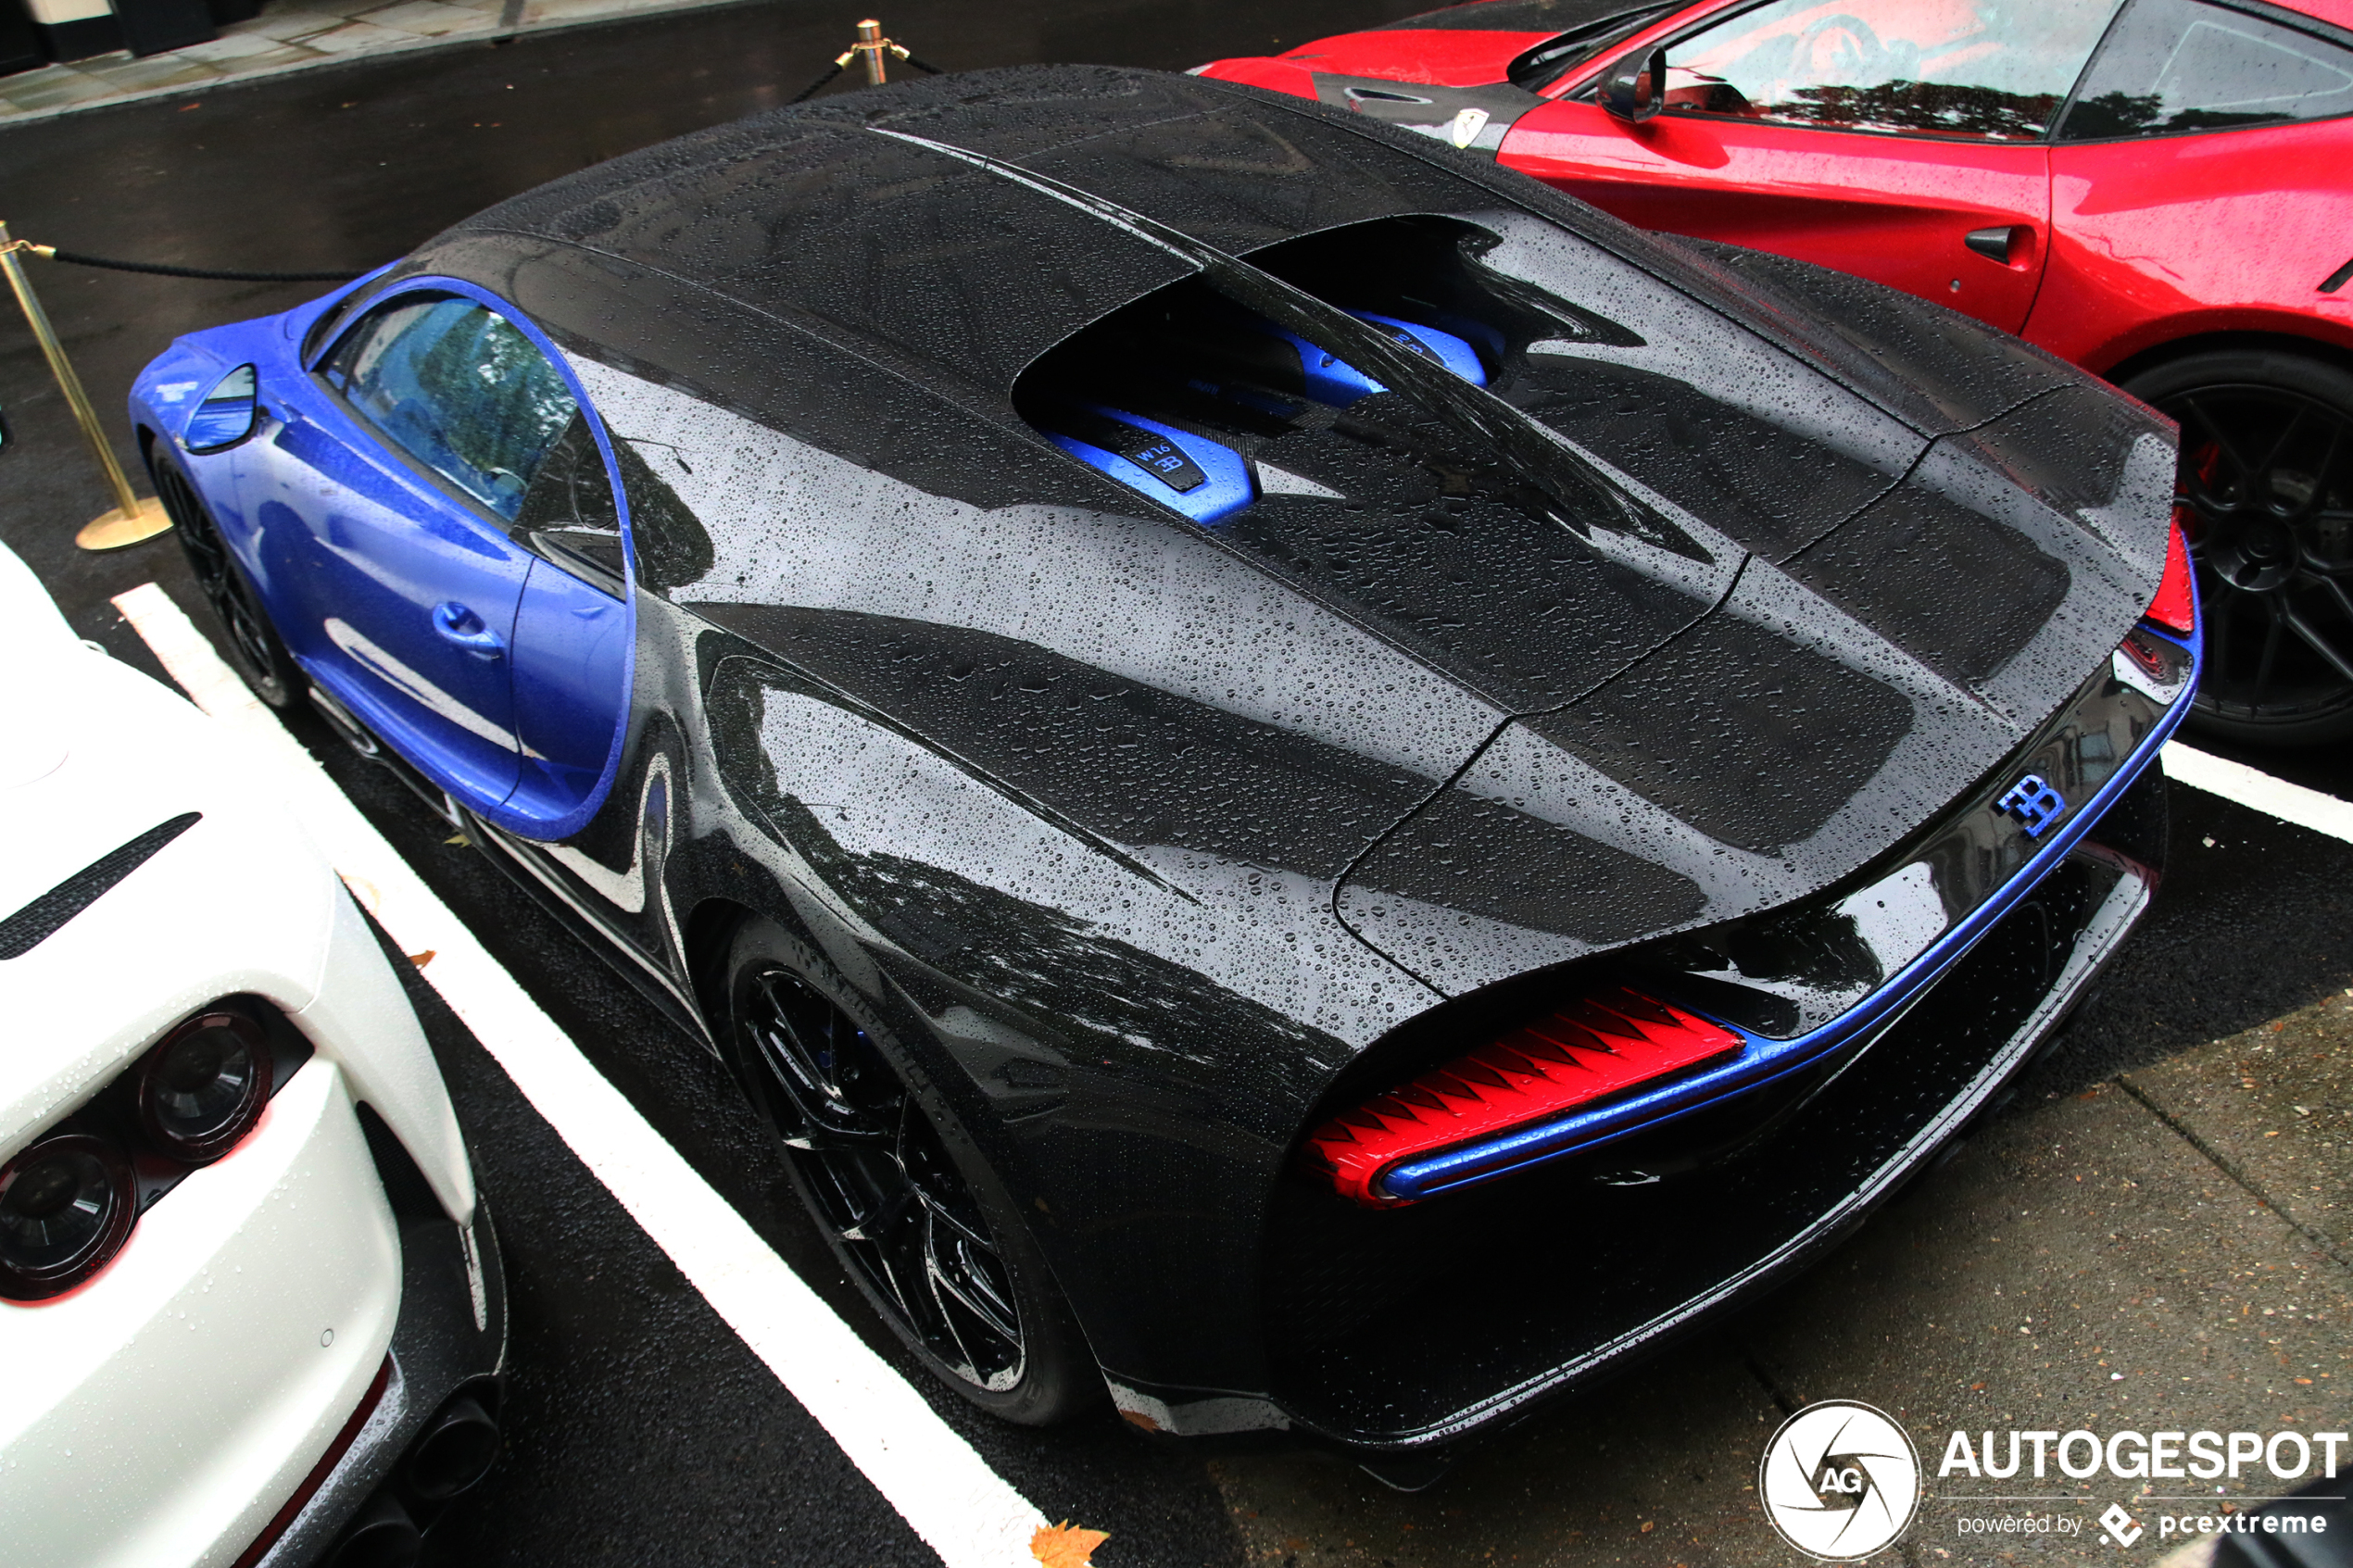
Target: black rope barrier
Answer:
[[161, 270], [817, 86]]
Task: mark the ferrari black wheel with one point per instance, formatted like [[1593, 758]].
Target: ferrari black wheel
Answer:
[[254, 647], [907, 1205], [2266, 500]]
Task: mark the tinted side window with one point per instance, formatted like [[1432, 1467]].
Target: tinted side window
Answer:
[[2176, 65], [458, 389], [1991, 69]]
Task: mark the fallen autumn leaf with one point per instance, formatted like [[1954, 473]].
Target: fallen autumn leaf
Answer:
[[1066, 1545]]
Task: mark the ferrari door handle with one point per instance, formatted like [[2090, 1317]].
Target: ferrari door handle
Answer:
[[1999, 243], [460, 625]]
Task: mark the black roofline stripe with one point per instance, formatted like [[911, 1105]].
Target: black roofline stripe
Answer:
[[42, 919]]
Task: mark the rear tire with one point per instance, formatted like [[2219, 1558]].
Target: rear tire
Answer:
[[255, 651], [2266, 491], [912, 1211]]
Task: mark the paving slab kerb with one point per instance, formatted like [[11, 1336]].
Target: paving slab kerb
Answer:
[[2167, 1251]]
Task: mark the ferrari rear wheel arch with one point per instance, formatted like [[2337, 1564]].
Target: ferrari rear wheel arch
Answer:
[[2266, 500], [254, 647], [903, 1197]]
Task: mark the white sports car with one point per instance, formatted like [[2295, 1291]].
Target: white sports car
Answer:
[[251, 1309]]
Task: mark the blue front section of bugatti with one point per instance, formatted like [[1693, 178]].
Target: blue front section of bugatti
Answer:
[[482, 633]]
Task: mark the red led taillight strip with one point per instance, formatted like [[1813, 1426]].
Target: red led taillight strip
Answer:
[[1609, 1042]]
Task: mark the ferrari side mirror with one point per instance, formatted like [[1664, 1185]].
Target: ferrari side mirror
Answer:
[[226, 416], [1636, 86]]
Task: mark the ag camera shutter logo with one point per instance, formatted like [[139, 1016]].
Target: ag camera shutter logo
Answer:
[[1840, 1480]]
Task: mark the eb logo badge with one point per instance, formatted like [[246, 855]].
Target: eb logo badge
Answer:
[[2033, 803]]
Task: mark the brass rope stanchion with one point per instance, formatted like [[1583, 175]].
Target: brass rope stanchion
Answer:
[[872, 46], [875, 51], [133, 518]]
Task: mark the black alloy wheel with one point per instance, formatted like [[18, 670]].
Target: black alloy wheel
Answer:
[[965, 1287], [2266, 501], [254, 647]]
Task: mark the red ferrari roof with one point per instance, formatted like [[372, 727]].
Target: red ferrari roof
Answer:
[[2337, 11], [1453, 57], [1457, 55]]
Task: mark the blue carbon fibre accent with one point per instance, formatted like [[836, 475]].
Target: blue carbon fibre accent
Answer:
[[1228, 489], [1764, 1060]]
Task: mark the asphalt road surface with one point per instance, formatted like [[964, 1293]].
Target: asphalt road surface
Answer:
[[643, 1431]]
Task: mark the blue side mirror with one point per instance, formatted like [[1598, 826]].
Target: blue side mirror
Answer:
[[226, 416]]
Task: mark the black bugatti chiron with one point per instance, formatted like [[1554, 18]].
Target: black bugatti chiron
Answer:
[[1312, 783]]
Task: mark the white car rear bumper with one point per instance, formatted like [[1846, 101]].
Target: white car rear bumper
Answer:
[[164, 1412]]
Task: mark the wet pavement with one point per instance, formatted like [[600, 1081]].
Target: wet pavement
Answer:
[[2122, 1242]]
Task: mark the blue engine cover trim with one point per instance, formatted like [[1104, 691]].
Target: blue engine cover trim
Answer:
[[1455, 353], [1334, 382], [1762, 1059], [1226, 487]]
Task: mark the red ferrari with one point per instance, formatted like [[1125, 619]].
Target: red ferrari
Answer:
[[2160, 191]]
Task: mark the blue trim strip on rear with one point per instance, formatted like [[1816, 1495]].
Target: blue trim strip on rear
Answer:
[[1764, 1058]]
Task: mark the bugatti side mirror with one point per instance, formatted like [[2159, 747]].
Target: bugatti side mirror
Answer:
[[226, 416], [1636, 86]]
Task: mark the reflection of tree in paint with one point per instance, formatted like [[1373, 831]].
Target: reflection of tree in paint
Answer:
[[1924, 105], [2140, 114], [673, 547]]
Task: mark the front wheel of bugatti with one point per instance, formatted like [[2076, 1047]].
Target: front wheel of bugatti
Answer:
[[253, 645], [915, 1216], [2265, 498]]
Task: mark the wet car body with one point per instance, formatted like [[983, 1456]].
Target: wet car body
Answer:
[[1699, 610]]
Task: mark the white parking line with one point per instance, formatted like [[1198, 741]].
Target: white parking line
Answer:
[[2254, 788], [944, 1490]]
